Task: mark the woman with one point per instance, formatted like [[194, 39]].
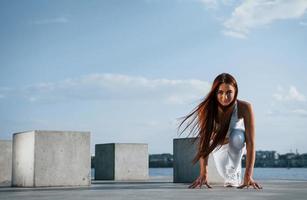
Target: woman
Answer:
[[223, 125]]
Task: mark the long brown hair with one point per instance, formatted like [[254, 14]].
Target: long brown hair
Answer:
[[203, 121]]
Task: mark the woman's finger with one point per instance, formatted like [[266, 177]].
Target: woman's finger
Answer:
[[254, 186], [193, 184], [258, 185], [208, 185], [201, 183]]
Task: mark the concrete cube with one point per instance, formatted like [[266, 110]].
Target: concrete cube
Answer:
[[116, 161], [184, 171], [5, 162], [51, 158]]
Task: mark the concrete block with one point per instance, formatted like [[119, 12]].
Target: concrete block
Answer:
[[5, 162], [116, 161], [51, 158], [184, 170]]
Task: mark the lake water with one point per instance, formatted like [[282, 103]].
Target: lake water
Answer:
[[259, 173]]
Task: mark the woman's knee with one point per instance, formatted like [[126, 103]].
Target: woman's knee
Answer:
[[237, 139]]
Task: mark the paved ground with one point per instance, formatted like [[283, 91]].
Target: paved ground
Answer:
[[158, 189]]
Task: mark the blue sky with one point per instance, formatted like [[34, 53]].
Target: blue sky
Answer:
[[127, 70]]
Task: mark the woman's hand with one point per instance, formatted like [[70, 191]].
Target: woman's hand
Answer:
[[202, 179], [249, 181]]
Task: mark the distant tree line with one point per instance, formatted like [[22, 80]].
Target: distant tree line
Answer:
[[263, 159], [161, 160], [273, 159]]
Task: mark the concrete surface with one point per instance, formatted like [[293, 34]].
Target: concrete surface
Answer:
[[104, 161], [23, 159], [5, 162], [184, 171], [121, 161], [158, 189], [51, 158]]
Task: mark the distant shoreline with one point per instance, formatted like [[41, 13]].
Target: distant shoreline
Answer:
[[264, 159]]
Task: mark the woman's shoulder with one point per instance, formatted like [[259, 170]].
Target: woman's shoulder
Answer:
[[244, 106]]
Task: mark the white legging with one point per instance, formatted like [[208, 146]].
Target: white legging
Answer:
[[228, 157]]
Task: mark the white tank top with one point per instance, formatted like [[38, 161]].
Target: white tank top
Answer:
[[235, 122]]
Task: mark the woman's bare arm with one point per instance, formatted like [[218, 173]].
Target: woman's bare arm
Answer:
[[203, 174], [249, 124], [203, 165], [250, 139]]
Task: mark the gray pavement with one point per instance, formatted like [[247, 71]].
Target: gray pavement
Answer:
[[158, 189]]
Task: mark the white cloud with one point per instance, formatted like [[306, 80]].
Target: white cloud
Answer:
[[116, 87], [210, 3], [234, 34], [295, 95], [287, 112], [256, 13], [301, 112], [215, 4], [57, 20], [291, 95], [288, 102]]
